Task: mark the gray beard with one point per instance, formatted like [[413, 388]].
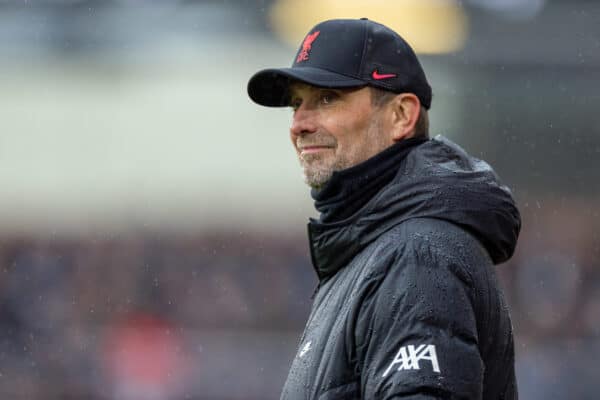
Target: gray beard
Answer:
[[316, 178]]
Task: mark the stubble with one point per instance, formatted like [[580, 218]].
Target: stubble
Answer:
[[318, 168]]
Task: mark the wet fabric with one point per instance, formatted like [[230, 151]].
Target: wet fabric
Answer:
[[408, 305]]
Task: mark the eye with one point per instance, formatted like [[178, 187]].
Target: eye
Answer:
[[328, 97], [295, 103]]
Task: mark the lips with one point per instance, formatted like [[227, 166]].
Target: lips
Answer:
[[313, 149]]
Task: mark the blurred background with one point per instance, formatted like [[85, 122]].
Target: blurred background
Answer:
[[152, 218]]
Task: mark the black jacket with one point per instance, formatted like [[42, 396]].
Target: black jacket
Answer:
[[408, 306]]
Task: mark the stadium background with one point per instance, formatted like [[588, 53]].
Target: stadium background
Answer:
[[152, 235]]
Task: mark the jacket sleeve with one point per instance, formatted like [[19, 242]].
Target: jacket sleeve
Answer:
[[416, 331]]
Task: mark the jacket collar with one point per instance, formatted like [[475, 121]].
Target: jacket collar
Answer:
[[431, 179], [336, 236]]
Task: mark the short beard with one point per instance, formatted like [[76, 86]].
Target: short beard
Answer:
[[316, 174], [317, 177]]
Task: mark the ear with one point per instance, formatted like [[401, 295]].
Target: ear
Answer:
[[406, 108]]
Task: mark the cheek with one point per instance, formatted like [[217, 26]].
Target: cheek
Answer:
[[360, 142], [353, 135]]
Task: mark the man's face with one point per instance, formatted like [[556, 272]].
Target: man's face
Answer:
[[334, 129]]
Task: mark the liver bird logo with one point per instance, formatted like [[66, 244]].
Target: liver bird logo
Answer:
[[306, 46]]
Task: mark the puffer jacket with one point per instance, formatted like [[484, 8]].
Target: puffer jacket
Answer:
[[408, 305]]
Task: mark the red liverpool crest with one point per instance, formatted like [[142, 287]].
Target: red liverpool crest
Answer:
[[306, 46]]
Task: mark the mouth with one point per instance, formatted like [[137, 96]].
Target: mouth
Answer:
[[313, 149]]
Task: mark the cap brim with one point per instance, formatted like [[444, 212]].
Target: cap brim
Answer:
[[270, 87]]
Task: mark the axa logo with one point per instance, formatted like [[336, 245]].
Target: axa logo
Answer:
[[306, 46], [410, 357]]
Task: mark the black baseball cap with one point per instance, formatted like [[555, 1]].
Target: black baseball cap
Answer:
[[345, 53]]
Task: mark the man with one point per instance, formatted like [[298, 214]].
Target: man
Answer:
[[407, 306]]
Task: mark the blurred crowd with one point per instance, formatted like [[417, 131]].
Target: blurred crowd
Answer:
[[553, 288], [117, 317], [219, 316]]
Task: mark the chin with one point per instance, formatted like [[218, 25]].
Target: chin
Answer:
[[316, 178]]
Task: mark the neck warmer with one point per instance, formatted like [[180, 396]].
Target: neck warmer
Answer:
[[350, 189]]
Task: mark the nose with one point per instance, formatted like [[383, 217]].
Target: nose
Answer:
[[303, 122]]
